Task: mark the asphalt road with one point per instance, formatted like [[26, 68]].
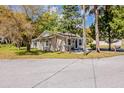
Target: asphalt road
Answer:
[[62, 73]]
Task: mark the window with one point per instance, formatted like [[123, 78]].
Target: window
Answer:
[[73, 41], [47, 43], [35, 44], [80, 42], [69, 41]]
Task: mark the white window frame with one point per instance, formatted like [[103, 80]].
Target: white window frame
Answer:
[[81, 42], [68, 41], [47, 43]]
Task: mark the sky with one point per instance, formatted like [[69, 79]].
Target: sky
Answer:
[[89, 19]]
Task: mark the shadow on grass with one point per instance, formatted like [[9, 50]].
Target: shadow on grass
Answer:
[[105, 50], [32, 52], [112, 50], [87, 53], [60, 52], [27, 53], [23, 51]]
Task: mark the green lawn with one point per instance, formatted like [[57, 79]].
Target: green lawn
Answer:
[[11, 52]]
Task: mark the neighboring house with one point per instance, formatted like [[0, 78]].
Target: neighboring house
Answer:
[[116, 42], [2, 40], [48, 41]]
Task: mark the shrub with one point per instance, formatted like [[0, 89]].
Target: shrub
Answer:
[[92, 46]]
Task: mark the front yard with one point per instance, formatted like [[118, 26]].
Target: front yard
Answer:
[[11, 52]]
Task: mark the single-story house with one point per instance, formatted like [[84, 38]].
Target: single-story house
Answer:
[[3, 39], [115, 42], [48, 41]]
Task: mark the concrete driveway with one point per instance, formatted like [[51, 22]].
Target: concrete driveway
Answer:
[[62, 73]]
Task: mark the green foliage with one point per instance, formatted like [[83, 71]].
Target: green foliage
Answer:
[[92, 46], [111, 24], [106, 32], [117, 23], [89, 35], [47, 21], [71, 19], [92, 34]]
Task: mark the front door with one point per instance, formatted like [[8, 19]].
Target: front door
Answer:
[[76, 44]]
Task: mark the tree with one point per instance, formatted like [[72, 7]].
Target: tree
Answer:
[[85, 10], [117, 23], [111, 24], [7, 25], [92, 28], [96, 28], [71, 20], [19, 27], [96, 10], [31, 12], [4, 15], [47, 22], [104, 25], [90, 34]]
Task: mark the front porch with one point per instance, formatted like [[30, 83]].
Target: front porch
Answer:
[[74, 44]]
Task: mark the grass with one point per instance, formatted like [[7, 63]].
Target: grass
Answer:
[[11, 52]]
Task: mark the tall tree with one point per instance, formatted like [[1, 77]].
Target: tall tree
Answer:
[[85, 10], [71, 20], [107, 12], [7, 25], [47, 22], [31, 12], [20, 24], [96, 28], [104, 25], [96, 10], [117, 23], [111, 24]]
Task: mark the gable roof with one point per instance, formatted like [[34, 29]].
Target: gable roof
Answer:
[[48, 34], [69, 34]]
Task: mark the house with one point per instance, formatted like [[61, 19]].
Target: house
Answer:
[[48, 41], [3, 39], [114, 42]]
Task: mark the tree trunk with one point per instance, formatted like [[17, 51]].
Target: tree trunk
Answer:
[[109, 40], [97, 30], [84, 29], [109, 29], [56, 48], [28, 47], [18, 45]]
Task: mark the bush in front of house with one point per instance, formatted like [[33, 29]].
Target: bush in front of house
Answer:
[[92, 46]]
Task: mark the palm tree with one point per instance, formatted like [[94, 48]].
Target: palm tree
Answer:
[[96, 11], [85, 11], [96, 28]]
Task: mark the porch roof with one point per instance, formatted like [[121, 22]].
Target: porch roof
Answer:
[[48, 34]]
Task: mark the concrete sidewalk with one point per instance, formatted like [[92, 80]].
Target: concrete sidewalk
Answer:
[[64, 73]]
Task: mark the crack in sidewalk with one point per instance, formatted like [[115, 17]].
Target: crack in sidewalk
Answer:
[[40, 82], [94, 74]]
